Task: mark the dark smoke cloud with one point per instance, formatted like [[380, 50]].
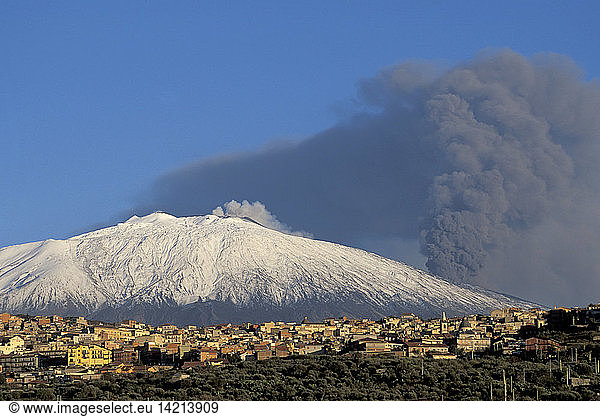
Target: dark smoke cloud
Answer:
[[492, 165]]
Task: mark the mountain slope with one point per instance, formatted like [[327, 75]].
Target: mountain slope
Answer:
[[207, 269]]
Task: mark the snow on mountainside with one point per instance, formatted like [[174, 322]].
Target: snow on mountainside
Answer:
[[210, 269]]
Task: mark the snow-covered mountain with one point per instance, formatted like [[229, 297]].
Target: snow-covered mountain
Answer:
[[209, 269]]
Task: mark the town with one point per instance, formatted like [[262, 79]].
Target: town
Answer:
[[43, 349]]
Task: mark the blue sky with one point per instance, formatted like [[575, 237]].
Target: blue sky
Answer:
[[99, 99]]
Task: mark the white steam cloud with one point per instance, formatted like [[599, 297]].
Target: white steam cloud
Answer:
[[257, 212]]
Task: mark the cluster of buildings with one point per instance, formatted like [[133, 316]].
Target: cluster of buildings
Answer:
[[36, 350]]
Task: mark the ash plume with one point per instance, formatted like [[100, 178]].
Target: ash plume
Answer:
[[490, 166]]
